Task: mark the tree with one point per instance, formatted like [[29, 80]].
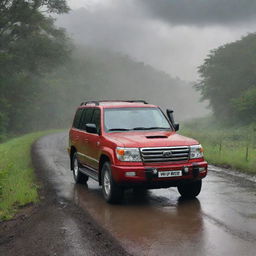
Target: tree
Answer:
[[226, 74], [245, 105], [30, 46]]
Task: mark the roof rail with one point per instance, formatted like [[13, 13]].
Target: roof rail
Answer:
[[90, 102], [97, 103]]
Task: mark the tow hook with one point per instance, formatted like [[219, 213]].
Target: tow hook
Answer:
[[185, 170], [151, 173]]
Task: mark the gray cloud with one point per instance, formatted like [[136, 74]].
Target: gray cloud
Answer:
[[124, 26], [201, 12]]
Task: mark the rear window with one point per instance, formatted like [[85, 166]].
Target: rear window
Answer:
[[86, 118], [77, 118]]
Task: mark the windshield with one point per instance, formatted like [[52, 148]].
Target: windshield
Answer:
[[128, 119]]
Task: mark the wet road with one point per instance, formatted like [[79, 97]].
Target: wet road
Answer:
[[222, 221]]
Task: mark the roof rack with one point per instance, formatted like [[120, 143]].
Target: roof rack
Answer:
[[97, 103]]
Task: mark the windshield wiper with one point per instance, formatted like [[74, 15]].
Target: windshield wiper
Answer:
[[150, 128], [118, 129]]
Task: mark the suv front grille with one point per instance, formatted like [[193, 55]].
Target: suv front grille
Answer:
[[164, 154]]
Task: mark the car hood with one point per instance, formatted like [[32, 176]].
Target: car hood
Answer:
[[150, 139]]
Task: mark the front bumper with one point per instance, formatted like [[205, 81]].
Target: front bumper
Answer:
[[148, 177]]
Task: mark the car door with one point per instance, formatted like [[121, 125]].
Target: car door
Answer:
[[83, 136], [75, 133], [93, 153]]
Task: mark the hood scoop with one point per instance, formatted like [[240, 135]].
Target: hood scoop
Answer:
[[157, 137]]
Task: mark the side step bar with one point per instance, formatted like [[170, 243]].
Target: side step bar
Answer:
[[90, 172]]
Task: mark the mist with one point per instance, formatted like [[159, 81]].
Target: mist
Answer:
[[148, 31], [171, 37], [111, 49]]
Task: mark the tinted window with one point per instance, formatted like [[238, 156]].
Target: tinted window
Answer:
[[96, 118], [86, 117], [77, 118]]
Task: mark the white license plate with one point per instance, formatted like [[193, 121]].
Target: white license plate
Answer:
[[165, 174]]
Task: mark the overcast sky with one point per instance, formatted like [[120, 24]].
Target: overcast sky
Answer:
[[172, 35]]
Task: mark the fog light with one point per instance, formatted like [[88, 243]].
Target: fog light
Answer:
[[130, 174], [186, 169], [201, 169]]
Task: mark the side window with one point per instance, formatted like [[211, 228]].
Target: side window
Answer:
[[96, 118], [82, 118], [86, 118], [77, 118]]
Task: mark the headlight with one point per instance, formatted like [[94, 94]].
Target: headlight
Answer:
[[196, 151], [128, 154]]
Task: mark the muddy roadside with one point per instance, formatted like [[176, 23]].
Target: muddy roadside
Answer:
[[54, 226]]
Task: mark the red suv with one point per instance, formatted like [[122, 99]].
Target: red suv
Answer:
[[129, 144]]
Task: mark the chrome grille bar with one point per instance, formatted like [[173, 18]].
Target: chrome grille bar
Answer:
[[165, 154]]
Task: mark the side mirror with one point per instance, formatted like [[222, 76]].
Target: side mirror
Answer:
[[91, 128], [176, 127], [169, 113]]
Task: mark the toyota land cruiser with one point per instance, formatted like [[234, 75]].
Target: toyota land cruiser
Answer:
[[129, 144]]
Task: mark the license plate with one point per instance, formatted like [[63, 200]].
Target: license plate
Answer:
[[165, 174]]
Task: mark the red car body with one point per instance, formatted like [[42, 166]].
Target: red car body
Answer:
[[93, 149]]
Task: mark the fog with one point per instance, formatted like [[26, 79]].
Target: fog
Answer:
[[173, 36], [118, 49]]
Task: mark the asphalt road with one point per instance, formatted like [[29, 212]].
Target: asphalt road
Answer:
[[222, 221]]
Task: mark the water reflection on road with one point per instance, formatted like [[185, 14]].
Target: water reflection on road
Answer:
[[144, 223]]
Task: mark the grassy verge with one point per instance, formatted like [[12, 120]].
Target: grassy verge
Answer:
[[17, 180], [229, 147]]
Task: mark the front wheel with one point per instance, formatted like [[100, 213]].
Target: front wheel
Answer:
[[111, 191], [190, 190], [78, 176]]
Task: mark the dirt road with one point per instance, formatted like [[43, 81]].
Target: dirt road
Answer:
[[222, 221]]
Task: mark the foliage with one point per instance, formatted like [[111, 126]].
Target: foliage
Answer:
[[17, 180], [246, 105], [228, 147], [228, 80], [30, 47]]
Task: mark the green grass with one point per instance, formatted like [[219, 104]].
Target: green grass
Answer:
[[229, 147], [18, 185]]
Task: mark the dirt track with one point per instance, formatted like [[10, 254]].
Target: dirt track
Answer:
[[222, 221]]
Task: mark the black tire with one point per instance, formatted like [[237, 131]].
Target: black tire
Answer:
[[79, 177], [190, 190], [111, 191]]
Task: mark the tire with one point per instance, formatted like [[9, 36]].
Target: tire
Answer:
[[111, 191], [190, 190], [79, 177]]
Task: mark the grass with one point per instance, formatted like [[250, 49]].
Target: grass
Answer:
[[18, 185], [229, 147]]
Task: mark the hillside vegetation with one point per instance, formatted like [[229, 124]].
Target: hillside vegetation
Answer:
[[228, 81], [232, 147]]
